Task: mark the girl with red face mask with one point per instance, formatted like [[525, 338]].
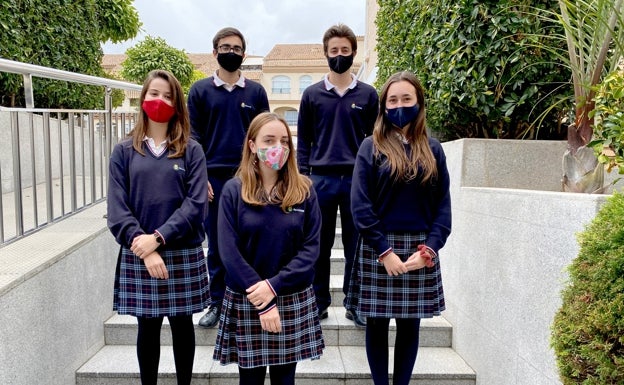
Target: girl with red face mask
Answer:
[[157, 197]]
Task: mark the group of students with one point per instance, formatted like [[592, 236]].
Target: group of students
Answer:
[[224, 166]]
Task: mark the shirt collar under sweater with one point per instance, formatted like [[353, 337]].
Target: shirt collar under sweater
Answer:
[[219, 82], [157, 150], [329, 85]]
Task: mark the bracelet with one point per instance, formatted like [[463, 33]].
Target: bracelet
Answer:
[[383, 255]]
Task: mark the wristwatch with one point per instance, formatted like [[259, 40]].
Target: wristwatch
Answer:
[[158, 238]]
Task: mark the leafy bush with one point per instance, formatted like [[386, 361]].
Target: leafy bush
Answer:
[[65, 35], [588, 330], [154, 53], [608, 141], [480, 63]]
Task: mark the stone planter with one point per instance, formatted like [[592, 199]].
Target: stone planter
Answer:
[[514, 234]]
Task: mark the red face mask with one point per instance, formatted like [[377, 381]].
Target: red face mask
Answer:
[[158, 111]]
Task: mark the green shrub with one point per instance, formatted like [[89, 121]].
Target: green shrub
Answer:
[[588, 330], [480, 63], [608, 141]]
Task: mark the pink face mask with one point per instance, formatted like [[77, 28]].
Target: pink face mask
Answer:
[[158, 111], [274, 157]]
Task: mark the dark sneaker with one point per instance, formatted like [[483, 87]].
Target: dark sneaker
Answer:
[[323, 314], [357, 320], [211, 318]]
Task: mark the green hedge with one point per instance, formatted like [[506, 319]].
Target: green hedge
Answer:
[[479, 62], [588, 330]]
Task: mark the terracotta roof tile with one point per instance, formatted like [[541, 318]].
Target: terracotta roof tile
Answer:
[[252, 75]]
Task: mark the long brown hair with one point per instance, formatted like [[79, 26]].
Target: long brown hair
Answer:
[[178, 128], [388, 138], [291, 187]]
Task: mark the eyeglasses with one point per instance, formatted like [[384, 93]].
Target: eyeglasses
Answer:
[[226, 48]]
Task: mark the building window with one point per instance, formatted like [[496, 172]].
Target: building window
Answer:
[[291, 117], [281, 85], [304, 82]]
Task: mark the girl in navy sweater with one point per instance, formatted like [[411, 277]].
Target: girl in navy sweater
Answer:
[[269, 234], [157, 198], [402, 210]]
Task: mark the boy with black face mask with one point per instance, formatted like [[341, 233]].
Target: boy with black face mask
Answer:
[[335, 116], [221, 107]]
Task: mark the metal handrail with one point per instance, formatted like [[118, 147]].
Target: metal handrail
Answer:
[[46, 128], [30, 70]]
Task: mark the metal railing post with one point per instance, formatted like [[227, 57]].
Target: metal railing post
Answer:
[[47, 163], [17, 175], [33, 169], [28, 91]]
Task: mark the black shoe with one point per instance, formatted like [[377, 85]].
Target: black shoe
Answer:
[[357, 320], [211, 318], [323, 314]]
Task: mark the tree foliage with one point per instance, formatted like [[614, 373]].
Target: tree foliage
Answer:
[[154, 53], [588, 330], [197, 75], [480, 63], [65, 35]]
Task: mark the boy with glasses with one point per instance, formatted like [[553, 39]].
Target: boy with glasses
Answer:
[[220, 110]]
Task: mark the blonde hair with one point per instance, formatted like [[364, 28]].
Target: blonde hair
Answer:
[[388, 138], [291, 188], [178, 128]]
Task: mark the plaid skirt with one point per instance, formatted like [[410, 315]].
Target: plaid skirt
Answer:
[[240, 338], [373, 293], [184, 293]]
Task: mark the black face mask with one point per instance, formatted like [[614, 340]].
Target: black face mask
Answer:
[[229, 61], [340, 64]]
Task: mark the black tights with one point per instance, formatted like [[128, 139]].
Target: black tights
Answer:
[[405, 349], [148, 348], [280, 375]]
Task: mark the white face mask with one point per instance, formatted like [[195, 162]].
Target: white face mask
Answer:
[[274, 157]]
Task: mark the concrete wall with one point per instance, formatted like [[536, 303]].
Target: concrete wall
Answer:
[[56, 289], [504, 264]]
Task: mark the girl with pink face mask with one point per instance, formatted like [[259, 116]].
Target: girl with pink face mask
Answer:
[[269, 233], [157, 198]]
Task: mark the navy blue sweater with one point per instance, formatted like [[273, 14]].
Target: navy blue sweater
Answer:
[[220, 119], [148, 193], [381, 205], [331, 127], [264, 242]]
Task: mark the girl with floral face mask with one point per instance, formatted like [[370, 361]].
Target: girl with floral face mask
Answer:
[[269, 233]]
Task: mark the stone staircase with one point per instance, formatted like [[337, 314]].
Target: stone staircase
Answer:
[[343, 361]]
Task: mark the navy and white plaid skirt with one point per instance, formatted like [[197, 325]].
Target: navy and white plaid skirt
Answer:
[[185, 291], [241, 340], [373, 293]]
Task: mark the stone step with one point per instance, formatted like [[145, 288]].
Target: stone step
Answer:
[[337, 331], [117, 365], [337, 261]]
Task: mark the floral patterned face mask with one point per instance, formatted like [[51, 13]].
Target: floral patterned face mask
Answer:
[[274, 157]]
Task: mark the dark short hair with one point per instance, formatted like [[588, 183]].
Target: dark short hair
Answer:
[[226, 32], [339, 30]]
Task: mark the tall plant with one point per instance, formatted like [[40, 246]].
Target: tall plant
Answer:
[[594, 35]]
